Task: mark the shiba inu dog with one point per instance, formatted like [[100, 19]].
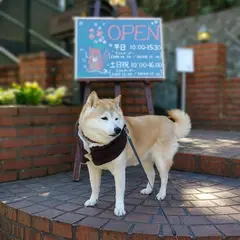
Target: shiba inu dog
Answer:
[[100, 127]]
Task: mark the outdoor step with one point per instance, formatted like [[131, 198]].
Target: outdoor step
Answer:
[[197, 205], [210, 152]]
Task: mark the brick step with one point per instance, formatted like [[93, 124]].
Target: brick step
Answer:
[[200, 206]]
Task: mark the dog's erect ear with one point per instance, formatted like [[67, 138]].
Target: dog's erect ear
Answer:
[[117, 100], [92, 99]]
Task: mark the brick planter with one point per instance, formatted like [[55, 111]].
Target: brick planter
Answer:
[[36, 141]]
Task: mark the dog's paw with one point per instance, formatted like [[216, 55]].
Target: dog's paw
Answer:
[[119, 211], [161, 195], [90, 203], [146, 191]]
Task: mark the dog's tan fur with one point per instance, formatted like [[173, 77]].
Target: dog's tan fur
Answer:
[[154, 137]]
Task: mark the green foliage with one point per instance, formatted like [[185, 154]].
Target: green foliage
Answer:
[[174, 9], [7, 97], [28, 94], [55, 96], [205, 10]]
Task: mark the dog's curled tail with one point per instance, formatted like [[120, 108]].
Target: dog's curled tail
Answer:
[[182, 122]]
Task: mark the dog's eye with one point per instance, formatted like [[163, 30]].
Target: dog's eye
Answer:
[[116, 119], [104, 118]]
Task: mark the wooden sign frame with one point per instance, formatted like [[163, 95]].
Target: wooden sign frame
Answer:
[[151, 47]]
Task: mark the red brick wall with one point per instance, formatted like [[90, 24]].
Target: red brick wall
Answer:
[[37, 67], [36, 141], [64, 74], [210, 98], [231, 104], [8, 74], [133, 96]]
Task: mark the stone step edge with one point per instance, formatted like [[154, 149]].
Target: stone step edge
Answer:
[[206, 164], [16, 223]]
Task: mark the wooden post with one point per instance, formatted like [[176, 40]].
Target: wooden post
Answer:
[[79, 148], [149, 99], [117, 89], [78, 156], [87, 91]]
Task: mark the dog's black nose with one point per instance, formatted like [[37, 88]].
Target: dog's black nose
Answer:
[[117, 130]]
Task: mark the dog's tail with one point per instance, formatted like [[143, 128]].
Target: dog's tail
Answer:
[[182, 122]]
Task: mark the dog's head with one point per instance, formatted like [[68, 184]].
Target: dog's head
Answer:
[[101, 120]]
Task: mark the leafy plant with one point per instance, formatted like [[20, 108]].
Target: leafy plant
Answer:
[[175, 9], [30, 93], [7, 97], [55, 96]]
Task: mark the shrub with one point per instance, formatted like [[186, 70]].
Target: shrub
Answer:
[[7, 97], [28, 94], [55, 96]]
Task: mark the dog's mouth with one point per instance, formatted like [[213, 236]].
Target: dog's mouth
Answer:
[[114, 135]]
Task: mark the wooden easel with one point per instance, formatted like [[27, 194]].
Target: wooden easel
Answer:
[[117, 91], [79, 147]]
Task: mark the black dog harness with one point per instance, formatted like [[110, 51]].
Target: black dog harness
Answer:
[[107, 153]]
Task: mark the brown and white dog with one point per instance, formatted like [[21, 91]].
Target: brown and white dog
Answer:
[[101, 123]]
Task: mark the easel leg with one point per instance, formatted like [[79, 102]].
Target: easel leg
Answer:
[[148, 94], [79, 148], [117, 89], [78, 162], [86, 92]]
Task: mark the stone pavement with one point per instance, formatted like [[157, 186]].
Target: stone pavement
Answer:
[[210, 152], [212, 143], [197, 205]]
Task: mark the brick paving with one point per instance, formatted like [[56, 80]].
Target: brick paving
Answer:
[[210, 152], [212, 143], [197, 205]]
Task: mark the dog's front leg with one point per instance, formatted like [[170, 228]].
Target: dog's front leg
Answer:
[[119, 177], [95, 180]]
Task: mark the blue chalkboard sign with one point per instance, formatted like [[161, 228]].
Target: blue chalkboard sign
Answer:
[[118, 48]]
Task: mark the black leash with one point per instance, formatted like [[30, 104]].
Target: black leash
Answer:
[[140, 163]]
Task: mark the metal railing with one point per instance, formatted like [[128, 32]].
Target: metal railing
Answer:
[[9, 55], [50, 6], [36, 34], [66, 4]]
